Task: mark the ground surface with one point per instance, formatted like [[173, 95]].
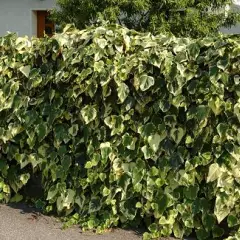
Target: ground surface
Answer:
[[19, 222]]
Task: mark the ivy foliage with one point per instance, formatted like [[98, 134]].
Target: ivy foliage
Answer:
[[124, 128]]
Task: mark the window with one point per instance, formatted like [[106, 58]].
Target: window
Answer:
[[44, 24]]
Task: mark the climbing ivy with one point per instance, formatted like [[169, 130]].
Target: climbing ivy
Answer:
[[124, 128]]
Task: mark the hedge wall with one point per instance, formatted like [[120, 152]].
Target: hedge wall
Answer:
[[121, 128]]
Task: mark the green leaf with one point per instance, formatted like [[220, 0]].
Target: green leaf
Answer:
[[214, 172], [25, 70], [209, 221], [163, 203], [148, 153], [202, 234], [129, 142], [128, 209], [222, 129], [221, 211], [177, 134], [147, 236], [115, 123], [52, 192], [106, 191], [106, 149], [146, 82], [138, 205], [101, 42], [232, 221], [88, 165], [42, 131], [24, 178], [223, 64], [6, 189], [170, 219], [191, 192], [217, 232], [178, 230], [61, 133], [73, 130], [153, 227], [66, 162], [123, 92], [200, 112], [200, 204], [3, 166], [164, 105], [69, 199], [154, 141], [147, 130], [16, 198], [89, 113], [216, 105], [193, 50], [98, 66], [94, 205], [170, 120]]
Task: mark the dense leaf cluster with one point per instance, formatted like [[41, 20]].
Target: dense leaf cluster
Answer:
[[124, 128]]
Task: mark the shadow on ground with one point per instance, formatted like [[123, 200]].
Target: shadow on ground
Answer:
[[22, 222]]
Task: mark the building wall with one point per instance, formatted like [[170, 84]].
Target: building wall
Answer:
[[19, 16], [234, 29]]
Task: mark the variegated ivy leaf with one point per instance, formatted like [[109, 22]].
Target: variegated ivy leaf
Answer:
[[52, 192], [148, 152], [105, 150], [193, 50], [237, 110], [89, 113], [98, 66], [73, 130], [177, 134], [147, 129], [154, 140], [123, 92], [115, 123], [146, 82], [129, 141], [214, 172], [233, 150], [170, 120], [101, 42], [25, 70], [42, 131], [24, 178], [199, 112], [222, 129], [221, 209], [216, 105]]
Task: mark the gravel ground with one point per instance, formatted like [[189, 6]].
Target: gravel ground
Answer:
[[20, 222]]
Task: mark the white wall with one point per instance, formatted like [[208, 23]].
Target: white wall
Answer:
[[232, 30], [18, 15]]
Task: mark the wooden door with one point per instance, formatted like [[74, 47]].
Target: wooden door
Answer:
[[44, 24]]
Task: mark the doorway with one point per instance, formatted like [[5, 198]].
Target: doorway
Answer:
[[44, 24]]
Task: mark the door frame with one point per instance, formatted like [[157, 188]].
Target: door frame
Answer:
[[31, 16]]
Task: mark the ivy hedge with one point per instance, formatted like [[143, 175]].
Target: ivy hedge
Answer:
[[124, 128]]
